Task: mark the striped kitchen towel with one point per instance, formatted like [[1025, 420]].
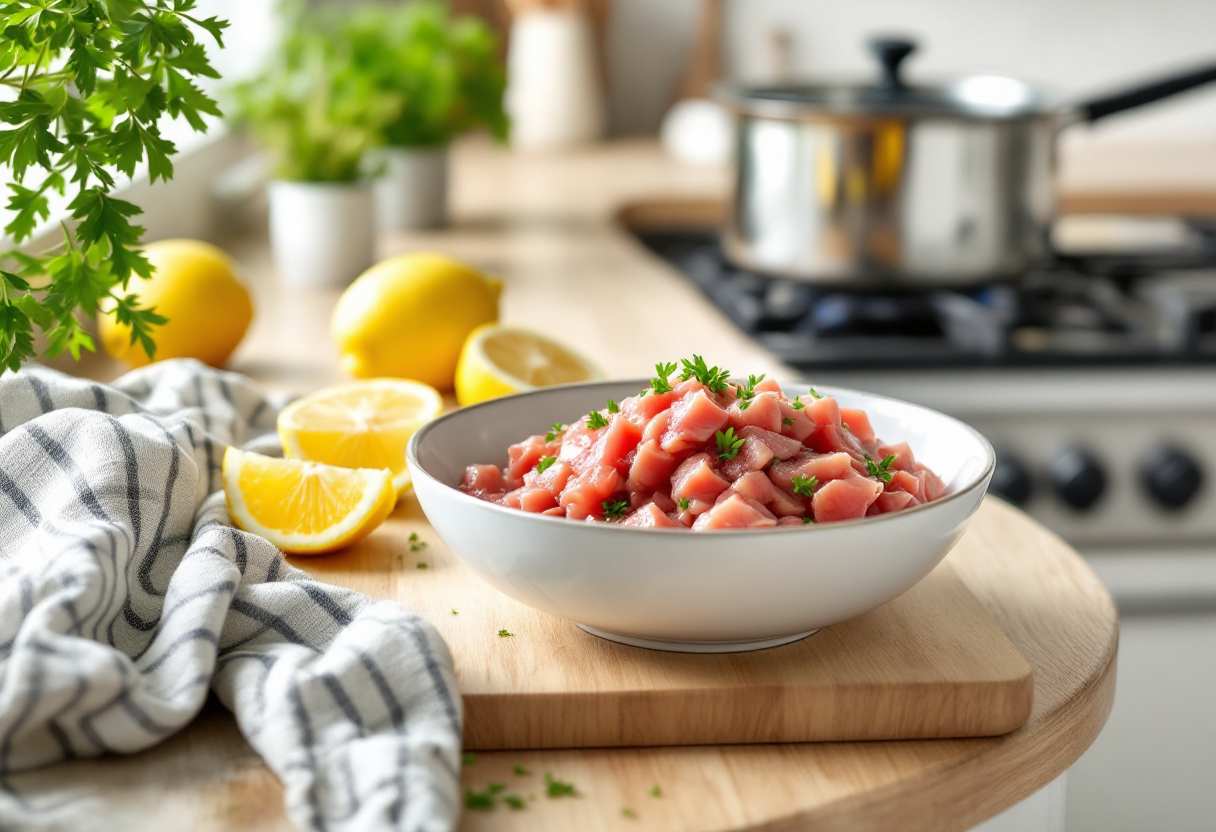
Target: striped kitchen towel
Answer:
[[126, 594]]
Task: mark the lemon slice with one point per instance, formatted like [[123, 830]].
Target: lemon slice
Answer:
[[366, 424], [501, 360], [305, 507]]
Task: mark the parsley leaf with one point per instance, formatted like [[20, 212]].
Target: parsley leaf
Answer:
[[519, 769], [807, 519], [596, 420], [683, 504], [712, 377], [505, 634], [454, 612], [626, 812], [746, 394], [787, 421], [805, 486], [556, 788], [468, 758], [655, 791], [613, 407], [798, 405], [514, 801], [483, 801], [728, 444], [814, 394], [659, 383], [879, 469], [422, 565], [615, 509], [544, 464], [556, 430]]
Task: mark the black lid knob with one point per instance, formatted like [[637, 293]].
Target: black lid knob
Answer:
[[1171, 477], [1011, 479], [1078, 478], [891, 52]]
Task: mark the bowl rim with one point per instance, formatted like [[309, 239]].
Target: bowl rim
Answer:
[[418, 471]]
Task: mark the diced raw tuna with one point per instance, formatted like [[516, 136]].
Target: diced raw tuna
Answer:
[[753, 455], [823, 411], [482, 478], [763, 412], [735, 512], [577, 444], [894, 501], [686, 387], [904, 461], [511, 498], [785, 504], [859, 425], [908, 482], [931, 484], [554, 512], [845, 499], [657, 426], [647, 407], [650, 516], [536, 500], [616, 442], [794, 422], [555, 477], [696, 479], [783, 447], [523, 457], [754, 485], [652, 467], [823, 467], [584, 494], [790, 521], [828, 439], [663, 501], [769, 385], [694, 420]]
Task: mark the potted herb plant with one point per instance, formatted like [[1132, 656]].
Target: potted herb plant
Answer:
[[317, 116], [445, 75]]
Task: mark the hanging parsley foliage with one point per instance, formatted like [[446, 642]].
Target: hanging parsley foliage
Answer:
[[84, 85]]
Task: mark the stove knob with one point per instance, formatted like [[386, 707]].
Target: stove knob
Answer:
[[1171, 477], [1078, 478], [1011, 480]]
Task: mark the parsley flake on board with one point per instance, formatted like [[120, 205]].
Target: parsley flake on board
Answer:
[[626, 812], [728, 444], [613, 407], [712, 377], [557, 788], [505, 634], [659, 383], [519, 769], [422, 565], [544, 464], [746, 394], [483, 801], [683, 504], [468, 758], [615, 509], [879, 469], [596, 420], [514, 801], [454, 612], [805, 486], [555, 430], [417, 544], [655, 791]]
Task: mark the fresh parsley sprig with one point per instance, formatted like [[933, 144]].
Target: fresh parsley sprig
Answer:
[[596, 420], [814, 393], [660, 384], [543, 465], [613, 407], [93, 81], [558, 788], [798, 405], [728, 444], [805, 486], [879, 469], [556, 430], [712, 377], [746, 394], [683, 503], [614, 509]]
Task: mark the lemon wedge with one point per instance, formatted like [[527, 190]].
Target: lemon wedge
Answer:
[[499, 360], [305, 508], [366, 424]]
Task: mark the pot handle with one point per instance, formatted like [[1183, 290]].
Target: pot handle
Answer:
[[891, 53], [1097, 108]]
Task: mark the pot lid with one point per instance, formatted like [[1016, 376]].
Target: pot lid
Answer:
[[970, 97]]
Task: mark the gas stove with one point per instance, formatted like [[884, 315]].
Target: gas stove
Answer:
[[1095, 378]]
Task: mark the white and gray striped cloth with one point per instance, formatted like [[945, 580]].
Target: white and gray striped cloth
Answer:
[[125, 595]]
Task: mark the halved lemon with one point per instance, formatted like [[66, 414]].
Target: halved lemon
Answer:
[[366, 424], [305, 508], [500, 360]]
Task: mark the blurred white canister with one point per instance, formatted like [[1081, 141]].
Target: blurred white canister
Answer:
[[322, 234], [553, 90], [412, 191]]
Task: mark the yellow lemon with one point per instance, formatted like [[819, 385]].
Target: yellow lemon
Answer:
[[366, 424], [500, 360], [409, 315], [195, 286], [305, 508]]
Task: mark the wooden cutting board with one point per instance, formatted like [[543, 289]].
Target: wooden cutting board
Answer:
[[931, 663]]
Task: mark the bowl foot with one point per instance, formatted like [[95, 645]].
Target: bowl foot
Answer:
[[695, 646]]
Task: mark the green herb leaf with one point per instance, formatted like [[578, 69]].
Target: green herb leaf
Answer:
[[798, 405], [557, 788], [626, 812], [814, 393], [805, 486], [879, 469], [483, 801], [519, 769], [655, 791], [596, 420], [514, 802], [787, 421], [454, 612], [555, 431], [683, 504], [728, 444], [615, 509], [468, 758], [659, 383], [422, 565], [748, 392], [613, 407], [505, 634], [807, 519], [545, 463], [712, 377]]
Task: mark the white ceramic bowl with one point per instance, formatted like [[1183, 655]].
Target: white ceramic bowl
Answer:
[[682, 590]]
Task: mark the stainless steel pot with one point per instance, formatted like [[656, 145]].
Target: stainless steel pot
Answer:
[[890, 184]]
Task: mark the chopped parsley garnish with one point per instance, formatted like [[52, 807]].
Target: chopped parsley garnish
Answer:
[[519, 769], [659, 383], [805, 486], [655, 791], [468, 758], [845, 425], [422, 565], [454, 612], [556, 788], [544, 464], [787, 421], [555, 430], [807, 519], [417, 544], [746, 394], [514, 801], [626, 812], [505, 634], [798, 405], [613, 407], [728, 444], [814, 393], [596, 420], [712, 377], [683, 504], [483, 801], [614, 509], [880, 469]]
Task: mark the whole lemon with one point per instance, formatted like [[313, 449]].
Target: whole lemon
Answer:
[[195, 286], [408, 317]]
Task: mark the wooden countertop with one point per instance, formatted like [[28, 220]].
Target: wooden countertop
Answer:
[[546, 226]]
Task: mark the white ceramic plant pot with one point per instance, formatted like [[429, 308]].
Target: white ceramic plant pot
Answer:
[[323, 234], [412, 191]]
